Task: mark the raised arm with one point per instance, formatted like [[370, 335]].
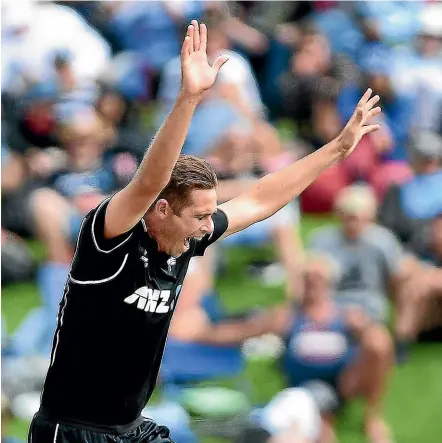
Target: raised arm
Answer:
[[128, 206], [274, 191]]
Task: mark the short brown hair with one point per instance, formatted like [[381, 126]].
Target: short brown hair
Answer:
[[189, 173]]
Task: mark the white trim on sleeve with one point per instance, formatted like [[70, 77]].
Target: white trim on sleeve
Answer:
[[93, 231]]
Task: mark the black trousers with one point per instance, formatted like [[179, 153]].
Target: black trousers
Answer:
[[43, 430]]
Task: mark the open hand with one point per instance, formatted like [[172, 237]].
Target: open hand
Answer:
[[359, 123], [197, 74]]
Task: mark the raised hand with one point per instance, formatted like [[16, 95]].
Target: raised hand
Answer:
[[359, 123], [197, 74]]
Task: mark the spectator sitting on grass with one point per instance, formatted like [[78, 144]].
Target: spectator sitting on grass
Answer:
[[407, 208], [371, 258], [344, 350], [423, 291]]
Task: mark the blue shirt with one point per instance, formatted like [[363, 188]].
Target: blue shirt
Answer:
[[421, 197], [316, 351], [145, 27], [104, 179]]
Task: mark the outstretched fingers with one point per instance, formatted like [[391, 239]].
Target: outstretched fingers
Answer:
[[370, 128], [368, 115], [190, 34], [372, 102], [203, 37], [185, 49], [364, 99], [196, 35], [374, 112]]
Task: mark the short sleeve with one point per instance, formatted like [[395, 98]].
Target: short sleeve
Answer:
[[97, 259], [235, 72], [95, 224], [221, 224], [393, 253], [321, 239]]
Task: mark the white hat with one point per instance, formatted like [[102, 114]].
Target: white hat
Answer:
[[356, 199]]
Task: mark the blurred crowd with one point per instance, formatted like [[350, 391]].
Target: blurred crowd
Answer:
[[86, 84]]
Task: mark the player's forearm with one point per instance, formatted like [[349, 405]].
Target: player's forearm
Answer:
[[275, 190], [156, 168]]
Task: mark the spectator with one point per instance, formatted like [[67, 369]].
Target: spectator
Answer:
[[397, 108], [416, 70], [422, 294], [33, 33], [390, 22], [389, 161], [371, 258], [118, 112], [407, 207], [17, 265], [345, 351], [315, 73], [351, 25], [150, 30], [381, 158], [16, 261]]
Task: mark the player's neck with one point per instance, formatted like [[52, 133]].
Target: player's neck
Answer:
[[154, 231]]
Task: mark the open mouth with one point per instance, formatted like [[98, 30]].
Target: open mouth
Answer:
[[188, 239]]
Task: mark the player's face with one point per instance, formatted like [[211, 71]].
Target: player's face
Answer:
[[194, 221]]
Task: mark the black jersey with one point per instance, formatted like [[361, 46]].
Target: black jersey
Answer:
[[113, 322]]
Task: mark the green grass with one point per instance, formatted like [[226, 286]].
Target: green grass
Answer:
[[414, 402]]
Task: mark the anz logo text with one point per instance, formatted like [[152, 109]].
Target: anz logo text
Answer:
[[152, 300]]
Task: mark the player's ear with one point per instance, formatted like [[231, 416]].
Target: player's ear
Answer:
[[162, 207]]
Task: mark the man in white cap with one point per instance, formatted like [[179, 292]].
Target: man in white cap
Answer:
[[372, 259]]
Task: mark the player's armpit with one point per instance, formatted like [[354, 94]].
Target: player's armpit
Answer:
[[94, 223], [241, 212], [128, 206]]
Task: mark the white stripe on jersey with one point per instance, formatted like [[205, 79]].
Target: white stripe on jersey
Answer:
[[59, 324], [56, 433], [93, 231], [104, 280]]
